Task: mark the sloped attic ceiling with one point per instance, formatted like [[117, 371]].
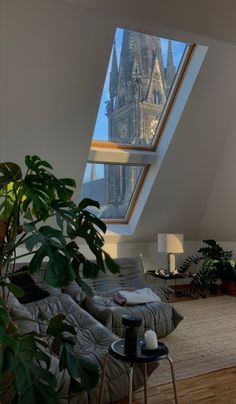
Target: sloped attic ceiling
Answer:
[[53, 58]]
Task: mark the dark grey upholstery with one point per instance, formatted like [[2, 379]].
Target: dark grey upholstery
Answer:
[[130, 277], [93, 340], [158, 316]]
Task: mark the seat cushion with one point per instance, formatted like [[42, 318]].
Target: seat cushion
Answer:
[[158, 316]]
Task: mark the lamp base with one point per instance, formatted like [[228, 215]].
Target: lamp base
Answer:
[[171, 263]]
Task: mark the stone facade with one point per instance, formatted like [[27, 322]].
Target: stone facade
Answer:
[[138, 90]]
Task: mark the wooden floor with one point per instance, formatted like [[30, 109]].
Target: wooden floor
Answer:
[[212, 388], [216, 387]]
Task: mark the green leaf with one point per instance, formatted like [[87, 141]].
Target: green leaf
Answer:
[[34, 163], [58, 271], [36, 262], [43, 374], [45, 394], [29, 227], [90, 269], [21, 380], [33, 241], [79, 369], [111, 264], [68, 182], [9, 342], [88, 202], [41, 356], [54, 324], [50, 232], [16, 290], [57, 326], [84, 287], [56, 344], [11, 172]]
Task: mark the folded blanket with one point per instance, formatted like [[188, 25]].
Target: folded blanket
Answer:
[[139, 296]]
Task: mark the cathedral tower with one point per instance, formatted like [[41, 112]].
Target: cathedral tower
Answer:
[[138, 89]]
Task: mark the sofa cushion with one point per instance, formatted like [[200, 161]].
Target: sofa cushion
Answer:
[[32, 291], [158, 316], [130, 277]]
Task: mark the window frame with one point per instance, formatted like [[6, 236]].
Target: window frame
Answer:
[[106, 152]]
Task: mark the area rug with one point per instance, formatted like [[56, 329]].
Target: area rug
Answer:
[[203, 342]]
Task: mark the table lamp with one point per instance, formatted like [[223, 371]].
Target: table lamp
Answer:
[[170, 244]]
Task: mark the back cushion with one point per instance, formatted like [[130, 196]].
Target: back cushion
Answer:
[[131, 275]]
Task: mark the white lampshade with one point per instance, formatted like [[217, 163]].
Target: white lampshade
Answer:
[[170, 243]]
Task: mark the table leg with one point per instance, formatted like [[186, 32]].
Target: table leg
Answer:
[[145, 383], [103, 380], [173, 378], [131, 368]]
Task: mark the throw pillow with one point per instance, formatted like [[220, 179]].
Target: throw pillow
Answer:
[[24, 281]]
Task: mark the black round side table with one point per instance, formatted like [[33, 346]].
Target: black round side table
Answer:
[[116, 349]]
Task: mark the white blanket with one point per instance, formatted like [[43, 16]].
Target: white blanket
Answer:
[[145, 295]]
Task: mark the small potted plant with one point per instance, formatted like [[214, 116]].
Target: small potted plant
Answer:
[[218, 269]]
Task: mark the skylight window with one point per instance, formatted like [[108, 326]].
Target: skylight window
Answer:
[[144, 76], [112, 185], [140, 75]]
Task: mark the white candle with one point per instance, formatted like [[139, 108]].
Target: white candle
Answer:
[[150, 339]]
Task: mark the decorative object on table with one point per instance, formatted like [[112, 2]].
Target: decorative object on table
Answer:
[[131, 324], [170, 244], [164, 272], [38, 216], [217, 267], [150, 339]]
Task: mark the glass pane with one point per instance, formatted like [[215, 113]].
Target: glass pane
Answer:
[[140, 74], [112, 185]]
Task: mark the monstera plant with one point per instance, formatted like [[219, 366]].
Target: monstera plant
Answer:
[[37, 212]]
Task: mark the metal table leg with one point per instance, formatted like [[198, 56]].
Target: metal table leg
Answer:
[[145, 383], [131, 368], [173, 377]]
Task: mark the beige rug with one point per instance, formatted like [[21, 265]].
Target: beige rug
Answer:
[[203, 342]]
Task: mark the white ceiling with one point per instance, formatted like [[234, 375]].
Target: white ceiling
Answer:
[[53, 58]]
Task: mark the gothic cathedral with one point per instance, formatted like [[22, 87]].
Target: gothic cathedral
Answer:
[[138, 89]]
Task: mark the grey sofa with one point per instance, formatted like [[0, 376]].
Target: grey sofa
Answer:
[[93, 340], [158, 316]]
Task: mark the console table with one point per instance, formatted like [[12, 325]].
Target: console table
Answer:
[[169, 276]]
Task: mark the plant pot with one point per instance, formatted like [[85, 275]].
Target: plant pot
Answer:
[[229, 287]]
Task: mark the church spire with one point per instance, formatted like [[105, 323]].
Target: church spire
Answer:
[[113, 82], [170, 68]]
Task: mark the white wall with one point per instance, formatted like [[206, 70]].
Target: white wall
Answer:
[[53, 58], [49, 84]]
